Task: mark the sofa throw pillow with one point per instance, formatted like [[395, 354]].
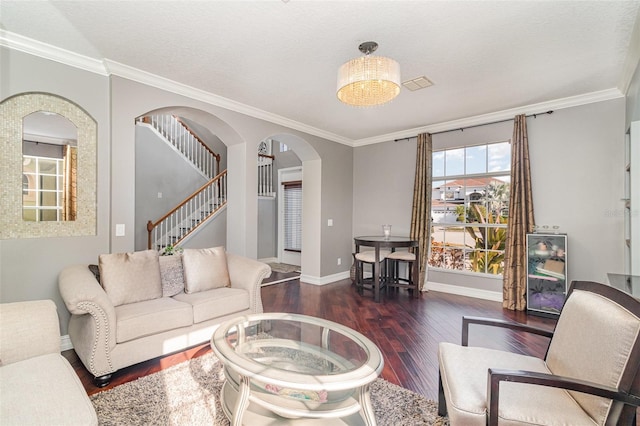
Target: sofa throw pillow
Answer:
[[130, 277], [171, 274], [95, 269], [205, 269]]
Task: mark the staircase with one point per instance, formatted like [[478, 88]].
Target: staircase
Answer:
[[184, 140], [265, 176], [185, 218], [176, 225]]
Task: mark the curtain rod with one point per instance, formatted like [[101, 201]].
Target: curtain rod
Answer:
[[477, 125]]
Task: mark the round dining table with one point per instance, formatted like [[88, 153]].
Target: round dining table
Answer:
[[391, 242]]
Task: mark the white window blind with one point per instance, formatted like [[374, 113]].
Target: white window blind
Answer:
[[293, 215]]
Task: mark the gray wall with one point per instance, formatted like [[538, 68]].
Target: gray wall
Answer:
[[241, 134], [284, 160], [576, 161], [268, 207], [211, 234], [383, 176], [336, 202], [576, 158], [29, 267], [267, 228]]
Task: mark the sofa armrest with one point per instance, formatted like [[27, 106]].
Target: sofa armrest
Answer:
[[77, 285], [28, 329], [248, 274], [92, 327]]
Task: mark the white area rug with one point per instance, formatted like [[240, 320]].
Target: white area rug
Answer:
[[188, 394], [285, 272], [283, 267]]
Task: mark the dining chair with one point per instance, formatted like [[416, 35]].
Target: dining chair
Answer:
[[590, 374], [394, 280], [368, 258]]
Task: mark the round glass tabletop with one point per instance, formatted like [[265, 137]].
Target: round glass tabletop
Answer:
[[297, 350]]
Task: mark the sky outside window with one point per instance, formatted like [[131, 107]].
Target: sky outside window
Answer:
[[477, 159]]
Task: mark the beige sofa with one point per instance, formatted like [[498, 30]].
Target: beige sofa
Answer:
[[143, 305], [38, 386]]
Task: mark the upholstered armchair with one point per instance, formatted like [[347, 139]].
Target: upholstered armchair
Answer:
[[38, 386], [589, 376]]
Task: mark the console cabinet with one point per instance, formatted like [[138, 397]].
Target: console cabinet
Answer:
[[546, 273]]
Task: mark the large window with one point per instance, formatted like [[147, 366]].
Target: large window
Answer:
[[469, 209]]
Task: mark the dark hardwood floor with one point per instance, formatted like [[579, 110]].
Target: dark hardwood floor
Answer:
[[407, 330]]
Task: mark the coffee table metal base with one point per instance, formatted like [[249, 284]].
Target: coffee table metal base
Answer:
[[255, 415], [294, 369]]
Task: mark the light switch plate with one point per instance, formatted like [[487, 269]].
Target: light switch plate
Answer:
[[120, 230]]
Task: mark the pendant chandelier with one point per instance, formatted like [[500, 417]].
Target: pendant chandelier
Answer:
[[368, 80]]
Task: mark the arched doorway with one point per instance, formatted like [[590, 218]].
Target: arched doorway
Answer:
[[165, 177], [296, 172]]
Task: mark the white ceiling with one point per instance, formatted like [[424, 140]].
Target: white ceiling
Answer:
[[278, 60]]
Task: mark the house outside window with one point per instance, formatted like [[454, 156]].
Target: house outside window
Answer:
[[469, 208]]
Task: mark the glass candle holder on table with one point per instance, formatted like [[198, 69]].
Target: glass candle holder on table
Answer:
[[386, 231]]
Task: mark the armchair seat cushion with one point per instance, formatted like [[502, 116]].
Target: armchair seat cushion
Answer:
[[141, 319], [464, 379], [215, 303], [43, 390]]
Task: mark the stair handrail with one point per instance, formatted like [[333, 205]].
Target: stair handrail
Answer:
[[206, 147], [265, 175], [220, 177], [167, 130]]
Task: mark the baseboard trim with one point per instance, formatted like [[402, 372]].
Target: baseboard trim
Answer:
[[465, 291], [308, 279], [65, 343]]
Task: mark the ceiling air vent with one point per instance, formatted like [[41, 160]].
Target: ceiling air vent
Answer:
[[417, 83]]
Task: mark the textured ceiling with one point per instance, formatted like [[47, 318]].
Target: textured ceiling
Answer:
[[482, 56]]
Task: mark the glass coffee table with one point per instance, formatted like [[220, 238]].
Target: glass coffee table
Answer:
[[295, 369]]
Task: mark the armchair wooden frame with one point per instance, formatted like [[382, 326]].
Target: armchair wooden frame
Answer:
[[628, 395], [496, 376]]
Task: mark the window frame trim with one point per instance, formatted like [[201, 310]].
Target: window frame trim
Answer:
[[447, 178]]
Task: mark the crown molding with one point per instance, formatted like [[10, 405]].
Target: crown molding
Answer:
[[572, 101], [107, 67], [122, 70], [37, 48]]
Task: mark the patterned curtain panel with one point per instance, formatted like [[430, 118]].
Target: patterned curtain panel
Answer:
[[69, 194], [421, 212], [521, 220]]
